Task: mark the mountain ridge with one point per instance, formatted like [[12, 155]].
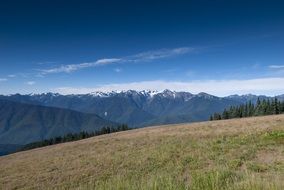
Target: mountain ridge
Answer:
[[135, 108], [22, 123], [149, 93], [140, 108]]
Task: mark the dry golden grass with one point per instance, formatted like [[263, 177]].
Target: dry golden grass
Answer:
[[232, 154]]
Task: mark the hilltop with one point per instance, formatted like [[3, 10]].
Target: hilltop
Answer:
[[230, 154]]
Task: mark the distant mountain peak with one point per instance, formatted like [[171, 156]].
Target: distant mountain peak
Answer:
[[147, 94], [99, 94], [205, 95], [150, 93]]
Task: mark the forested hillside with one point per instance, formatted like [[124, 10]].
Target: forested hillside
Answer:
[[260, 108]]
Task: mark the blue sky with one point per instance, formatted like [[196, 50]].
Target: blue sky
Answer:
[[220, 47]]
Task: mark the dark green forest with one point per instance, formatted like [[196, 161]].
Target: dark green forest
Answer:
[[75, 136], [261, 108]]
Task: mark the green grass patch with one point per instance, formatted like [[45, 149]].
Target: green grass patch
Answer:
[[275, 136]]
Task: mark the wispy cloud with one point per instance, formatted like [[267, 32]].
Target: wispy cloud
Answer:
[[117, 70], [30, 83], [276, 66], [74, 67], [268, 86], [45, 62], [170, 71], [3, 79], [144, 56], [11, 76], [159, 54]]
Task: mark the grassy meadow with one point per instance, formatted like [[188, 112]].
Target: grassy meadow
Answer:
[[229, 154]]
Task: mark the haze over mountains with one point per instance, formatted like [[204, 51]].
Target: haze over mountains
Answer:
[[139, 108], [34, 117], [22, 123], [136, 108]]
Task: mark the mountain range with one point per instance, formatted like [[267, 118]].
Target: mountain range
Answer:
[[33, 117], [22, 123]]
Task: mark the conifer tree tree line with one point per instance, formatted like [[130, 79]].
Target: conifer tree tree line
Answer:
[[75, 136], [260, 108]]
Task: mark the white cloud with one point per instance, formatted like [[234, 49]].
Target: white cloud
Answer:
[[107, 61], [276, 66], [74, 67], [144, 56], [159, 54], [3, 79], [66, 68], [30, 83], [267, 86]]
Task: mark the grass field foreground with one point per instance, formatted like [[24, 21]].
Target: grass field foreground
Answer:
[[230, 154]]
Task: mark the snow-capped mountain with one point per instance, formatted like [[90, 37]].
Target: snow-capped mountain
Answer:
[[140, 108], [145, 93]]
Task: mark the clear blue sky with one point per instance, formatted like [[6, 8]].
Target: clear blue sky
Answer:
[[220, 47]]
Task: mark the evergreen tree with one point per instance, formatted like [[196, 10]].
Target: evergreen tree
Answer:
[[275, 106], [281, 107], [262, 107], [225, 114], [72, 137], [217, 116]]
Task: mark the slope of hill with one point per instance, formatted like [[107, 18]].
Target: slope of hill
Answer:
[[136, 107], [230, 154], [23, 123]]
